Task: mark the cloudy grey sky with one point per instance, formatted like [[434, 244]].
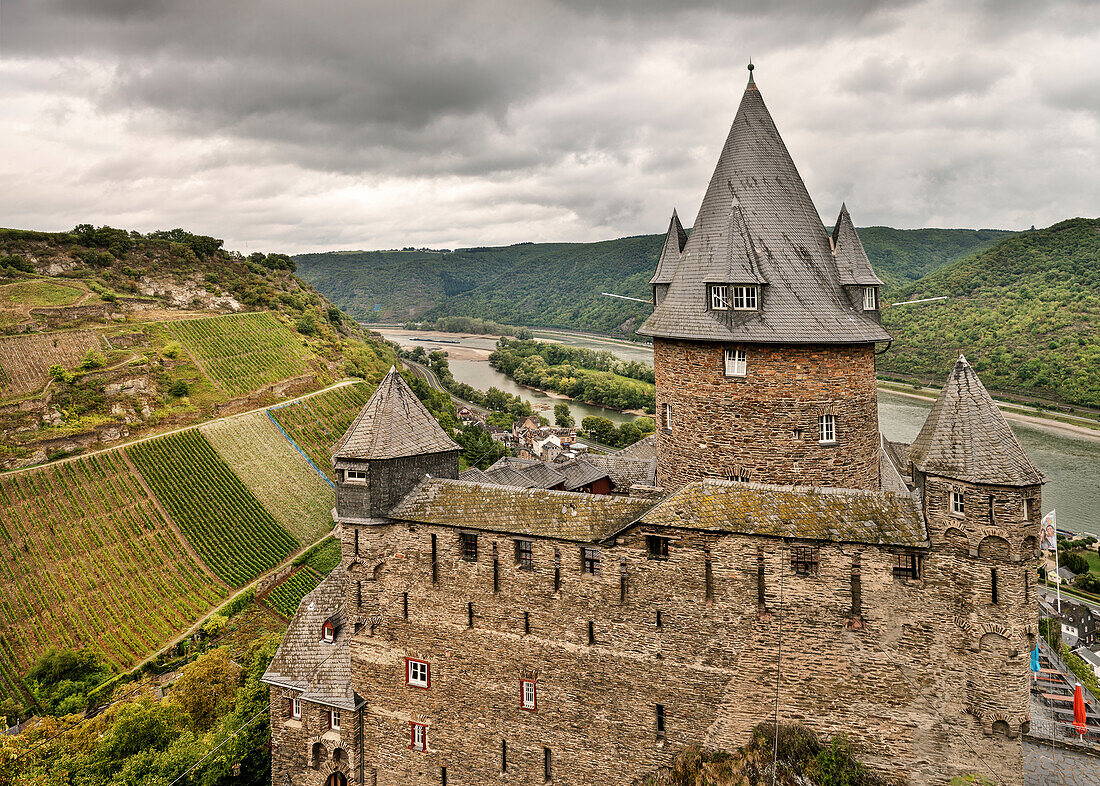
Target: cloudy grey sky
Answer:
[[336, 124]]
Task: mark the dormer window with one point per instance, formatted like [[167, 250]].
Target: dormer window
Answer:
[[719, 297], [745, 298], [870, 298], [328, 632]]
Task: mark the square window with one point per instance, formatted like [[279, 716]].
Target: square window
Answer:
[[418, 735], [525, 554], [957, 504], [719, 297], [908, 566], [656, 546], [334, 720], [736, 363], [296, 708], [804, 559], [469, 546], [528, 698], [744, 298], [590, 561], [870, 299], [826, 429], [417, 673]]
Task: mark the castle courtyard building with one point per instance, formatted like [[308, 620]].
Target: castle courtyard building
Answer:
[[790, 564]]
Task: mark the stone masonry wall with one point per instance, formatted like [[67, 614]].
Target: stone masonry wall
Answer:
[[388, 481], [898, 678], [765, 424], [304, 752]]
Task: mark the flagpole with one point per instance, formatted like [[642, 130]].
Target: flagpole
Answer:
[[1058, 583]]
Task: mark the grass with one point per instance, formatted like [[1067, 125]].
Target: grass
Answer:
[[38, 293], [317, 422], [242, 353], [87, 560], [233, 533], [277, 474], [26, 360]]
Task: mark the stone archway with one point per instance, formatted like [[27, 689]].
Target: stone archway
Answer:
[[337, 779]]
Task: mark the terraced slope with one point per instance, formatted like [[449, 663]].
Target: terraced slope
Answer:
[[25, 360], [87, 560], [286, 597], [277, 474], [315, 423], [244, 352], [228, 527]]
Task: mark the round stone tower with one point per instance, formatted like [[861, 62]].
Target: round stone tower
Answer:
[[764, 329]]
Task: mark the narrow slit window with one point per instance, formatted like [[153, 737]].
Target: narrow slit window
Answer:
[[526, 622], [470, 614], [547, 765], [296, 709], [660, 720], [528, 695], [857, 588], [357, 541], [591, 633], [557, 570], [660, 619], [359, 594], [418, 736], [993, 585], [622, 580], [870, 299], [744, 299], [737, 363], [708, 575], [496, 570], [667, 408], [826, 429], [435, 560], [405, 603], [719, 297], [443, 776], [504, 755], [760, 598]]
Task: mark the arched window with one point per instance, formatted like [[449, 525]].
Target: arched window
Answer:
[[337, 779]]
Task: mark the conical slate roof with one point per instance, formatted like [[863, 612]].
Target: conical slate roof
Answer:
[[758, 224], [967, 438], [675, 240], [392, 424], [852, 264]]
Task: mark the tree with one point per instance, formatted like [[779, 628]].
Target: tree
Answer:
[[206, 688], [600, 429], [562, 416], [1075, 562]]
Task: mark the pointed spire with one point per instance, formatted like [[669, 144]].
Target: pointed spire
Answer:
[[393, 423], [675, 240], [967, 438], [752, 82], [852, 264]]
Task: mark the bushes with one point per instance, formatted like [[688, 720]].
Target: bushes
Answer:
[[62, 679]]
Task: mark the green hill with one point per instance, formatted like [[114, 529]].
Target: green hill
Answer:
[[1026, 312], [559, 284]]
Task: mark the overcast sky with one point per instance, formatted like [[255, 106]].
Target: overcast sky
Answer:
[[289, 125]]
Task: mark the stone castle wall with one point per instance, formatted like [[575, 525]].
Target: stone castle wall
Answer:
[[304, 752], [765, 425], [899, 678]]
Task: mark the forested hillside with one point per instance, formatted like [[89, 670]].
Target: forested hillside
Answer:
[[1026, 312], [560, 284]]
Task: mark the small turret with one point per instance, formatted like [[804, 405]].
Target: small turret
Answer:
[[389, 447], [675, 240]]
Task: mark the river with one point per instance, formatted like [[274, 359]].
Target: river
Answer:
[[1071, 464]]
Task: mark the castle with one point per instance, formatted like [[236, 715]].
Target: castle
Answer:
[[792, 564]]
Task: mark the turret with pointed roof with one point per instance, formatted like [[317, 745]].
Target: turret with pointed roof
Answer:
[[967, 438], [763, 330], [392, 443]]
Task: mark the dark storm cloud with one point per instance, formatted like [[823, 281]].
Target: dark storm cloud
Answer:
[[573, 120]]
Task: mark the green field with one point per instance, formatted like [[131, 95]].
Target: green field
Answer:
[[37, 293], [277, 474], [315, 423], [244, 352], [322, 557], [229, 528], [286, 597], [86, 560]]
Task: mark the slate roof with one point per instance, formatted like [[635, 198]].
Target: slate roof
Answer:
[[303, 662], [536, 512], [853, 266], [474, 474], [839, 515], [646, 447], [675, 240], [758, 223], [967, 438], [581, 472], [393, 423], [625, 471]]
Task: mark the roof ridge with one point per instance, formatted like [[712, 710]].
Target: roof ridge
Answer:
[[823, 490]]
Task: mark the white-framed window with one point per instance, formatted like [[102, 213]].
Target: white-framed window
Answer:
[[296, 708], [958, 507], [355, 476], [668, 415], [418, 736], [334, 720], [719, 297], [826, 429], [417, 673], [870, 298], [328, 633], [528, 695], [745, 299], [737, 362]]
